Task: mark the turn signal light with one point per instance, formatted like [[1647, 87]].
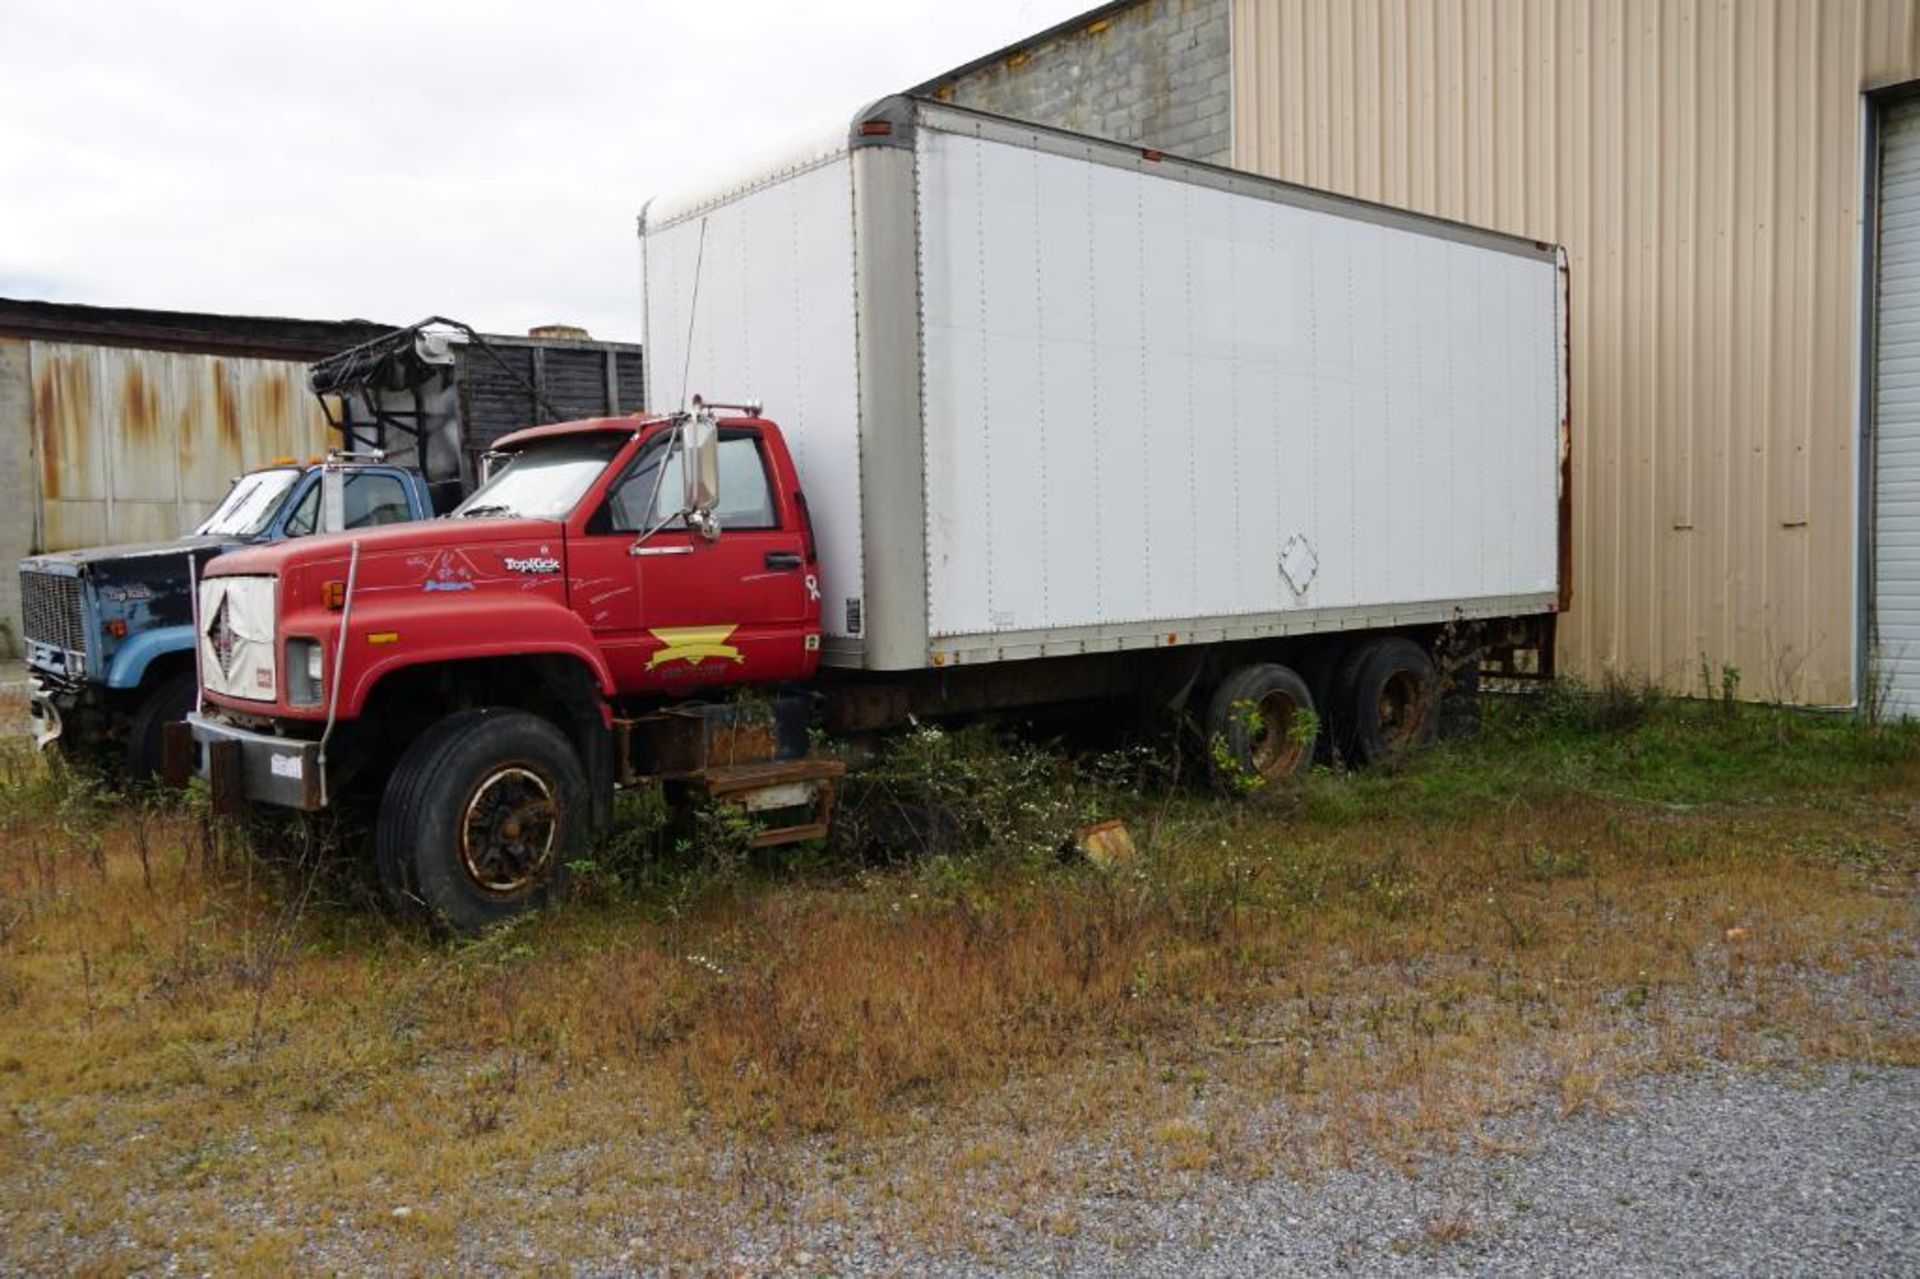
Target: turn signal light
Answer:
[[333, 594], [117, 628]]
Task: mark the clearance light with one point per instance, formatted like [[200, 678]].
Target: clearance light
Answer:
[[876, 128], [1148, 153], [383, 637], [333, 594]]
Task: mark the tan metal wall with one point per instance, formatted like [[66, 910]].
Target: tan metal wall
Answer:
[[138, 445], [1701, 162]]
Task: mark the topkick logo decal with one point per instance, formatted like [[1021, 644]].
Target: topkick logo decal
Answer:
[[531, 564]]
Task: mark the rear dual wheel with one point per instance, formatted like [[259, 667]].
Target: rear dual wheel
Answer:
[[1386, 697], [1262, 725], [481, 819]]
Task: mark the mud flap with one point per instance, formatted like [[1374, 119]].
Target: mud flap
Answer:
[[176, 754]]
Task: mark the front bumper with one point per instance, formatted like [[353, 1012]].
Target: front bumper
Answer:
[[43, 713], [241, 765]]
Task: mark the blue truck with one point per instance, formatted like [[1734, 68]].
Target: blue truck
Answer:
[[108, 630]]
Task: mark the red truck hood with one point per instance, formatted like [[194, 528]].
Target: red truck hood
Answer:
[[424, 535]]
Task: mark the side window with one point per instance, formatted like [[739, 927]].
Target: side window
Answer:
[[305, 516], [626, 509], [746, 501], [374, 498]]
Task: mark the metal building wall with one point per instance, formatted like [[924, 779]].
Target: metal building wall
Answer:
[[1701, 162], [19, 497], [137, 445]]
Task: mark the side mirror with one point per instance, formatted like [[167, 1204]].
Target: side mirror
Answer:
[[700, 468]]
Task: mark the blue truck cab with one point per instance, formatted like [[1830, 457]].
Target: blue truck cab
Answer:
[[109, 630]]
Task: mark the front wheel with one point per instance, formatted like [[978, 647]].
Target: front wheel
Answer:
[[166, 703], [481, 818]]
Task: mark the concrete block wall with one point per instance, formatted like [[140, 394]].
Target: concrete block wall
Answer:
[[1154, 74]]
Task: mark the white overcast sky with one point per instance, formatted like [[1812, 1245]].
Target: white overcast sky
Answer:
[[481, 159]]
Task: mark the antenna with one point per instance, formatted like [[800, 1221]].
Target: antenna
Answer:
[[686, 365]]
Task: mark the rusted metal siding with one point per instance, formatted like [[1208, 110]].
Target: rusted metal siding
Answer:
[[17, 487], [1701, 162], [137, 445]]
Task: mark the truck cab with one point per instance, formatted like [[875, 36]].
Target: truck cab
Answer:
[[492, 676], [108, 629]]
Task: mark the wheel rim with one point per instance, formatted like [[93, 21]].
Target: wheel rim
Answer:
[[1276, 753], [1403, 708], [508, 831]]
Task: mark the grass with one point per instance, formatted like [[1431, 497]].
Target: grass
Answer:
[[217, 1052]]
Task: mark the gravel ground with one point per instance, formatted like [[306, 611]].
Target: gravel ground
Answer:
[[1735, 1174], [1812, 1172]]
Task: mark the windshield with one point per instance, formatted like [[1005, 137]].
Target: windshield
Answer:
[[249, 505], [543, 480]]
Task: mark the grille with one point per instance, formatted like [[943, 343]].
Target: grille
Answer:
[[50, 610]]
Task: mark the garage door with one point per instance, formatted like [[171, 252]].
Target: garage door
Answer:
[[1895, 641]]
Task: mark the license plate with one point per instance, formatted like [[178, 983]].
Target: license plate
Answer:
[[785, 795]]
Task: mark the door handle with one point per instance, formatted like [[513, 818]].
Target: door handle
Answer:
[[783, 559]]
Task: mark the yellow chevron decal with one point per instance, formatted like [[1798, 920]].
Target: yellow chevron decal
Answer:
[[694, 645]]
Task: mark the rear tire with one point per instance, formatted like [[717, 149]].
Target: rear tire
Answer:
[[481, 819], [1259, 714], [1387, 695], [167, 703]]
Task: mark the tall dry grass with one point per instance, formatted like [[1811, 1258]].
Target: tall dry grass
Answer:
[[216, 1052]]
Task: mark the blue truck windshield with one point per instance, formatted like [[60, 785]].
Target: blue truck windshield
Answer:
[[250, 504]]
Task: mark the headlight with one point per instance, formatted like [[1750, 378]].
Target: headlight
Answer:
[[305, 664]]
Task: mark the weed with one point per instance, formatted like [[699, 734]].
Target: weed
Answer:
[[1547, 862], [1617, 704], [1726, 694], [1601, 884], [975, 790]]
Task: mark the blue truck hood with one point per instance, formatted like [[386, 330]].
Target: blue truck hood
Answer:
[[135, 601], [71, 562]]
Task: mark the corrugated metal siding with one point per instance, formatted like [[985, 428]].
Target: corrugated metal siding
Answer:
[[18, 496], [137, 445], [1700, 162], [1896, 419]]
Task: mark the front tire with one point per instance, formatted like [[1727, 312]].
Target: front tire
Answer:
[[481, 819], [167, 703]]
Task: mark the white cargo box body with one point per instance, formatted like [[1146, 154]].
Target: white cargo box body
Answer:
[[1051, 395]]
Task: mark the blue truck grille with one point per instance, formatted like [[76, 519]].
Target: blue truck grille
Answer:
[[50, 610]]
